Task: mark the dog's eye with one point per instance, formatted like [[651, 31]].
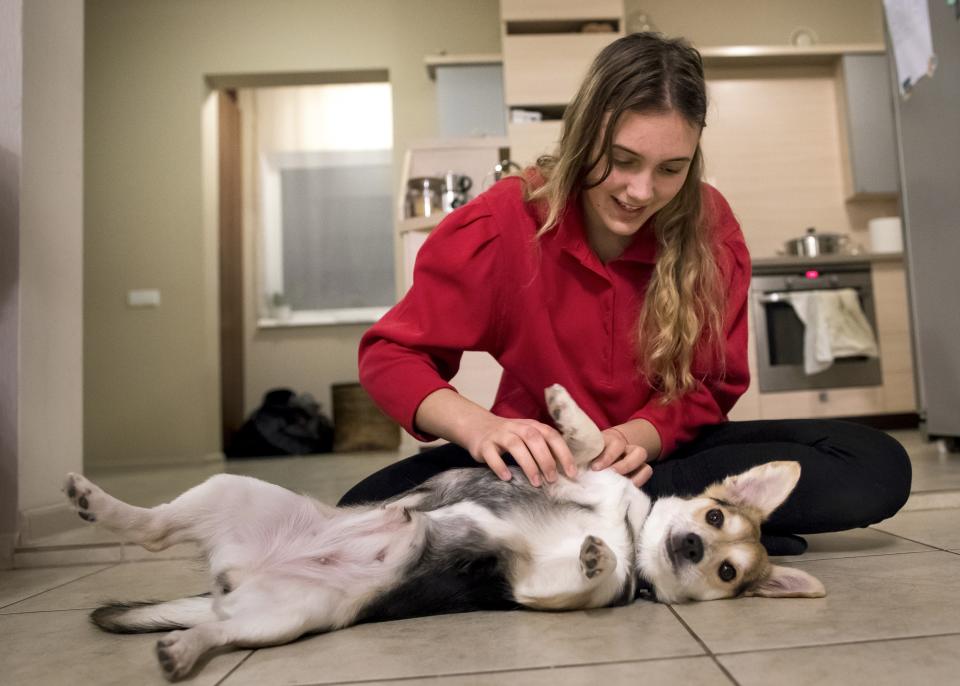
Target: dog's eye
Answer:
[[727, 571], [715, 518]]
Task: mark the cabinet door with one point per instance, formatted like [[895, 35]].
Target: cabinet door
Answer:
[[530, 140], [871, 137], [547, 69]]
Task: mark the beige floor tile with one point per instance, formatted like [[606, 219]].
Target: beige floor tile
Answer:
[[129, 581], [933, 468], [854, 543], [869, 598], [934, 660], [325, 477], [940, 528], [19, 584], [689, 671], [472, 643], [63, 648]]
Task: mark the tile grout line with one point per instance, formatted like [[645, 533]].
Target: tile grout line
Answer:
[[933, 549], [810, 646], [53, 588], [703, 645], [236, 667], [493, 672]]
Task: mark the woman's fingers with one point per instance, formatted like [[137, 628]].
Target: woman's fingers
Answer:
[[641, 476], [613, 449], [491, 456], [521, 454], [634, 457], [558, 449]]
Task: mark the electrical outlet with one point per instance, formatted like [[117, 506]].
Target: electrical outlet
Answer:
[[145, 297]]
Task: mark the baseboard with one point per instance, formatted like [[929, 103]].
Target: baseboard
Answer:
[[46, 521], [7, 544], [114, 467], [887, 422]]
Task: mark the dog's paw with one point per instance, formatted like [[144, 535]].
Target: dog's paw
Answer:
[[176, 655], [83, 495], [596, 558], [580, 433]]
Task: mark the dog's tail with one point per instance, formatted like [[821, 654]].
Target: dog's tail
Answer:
[[144, 617]]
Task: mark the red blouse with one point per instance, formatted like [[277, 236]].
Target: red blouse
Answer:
[[549, 312]]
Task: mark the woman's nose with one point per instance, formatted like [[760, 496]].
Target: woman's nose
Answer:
[[640, 188]]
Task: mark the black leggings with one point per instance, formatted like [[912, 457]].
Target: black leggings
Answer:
[[851, 475]]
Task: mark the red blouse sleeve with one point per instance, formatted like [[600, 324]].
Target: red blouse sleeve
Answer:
[[716, 393], [452, 306]]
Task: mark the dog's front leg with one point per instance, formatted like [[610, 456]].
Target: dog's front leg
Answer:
[[568, 582], [582, 435]]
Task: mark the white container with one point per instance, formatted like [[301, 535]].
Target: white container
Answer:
[[886, 234]]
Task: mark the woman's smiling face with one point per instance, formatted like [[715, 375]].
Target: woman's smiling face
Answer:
[[651, 157]]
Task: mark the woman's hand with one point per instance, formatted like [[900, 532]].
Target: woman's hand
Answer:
[[537, 448], [625, 458]]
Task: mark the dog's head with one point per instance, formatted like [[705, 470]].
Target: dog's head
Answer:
[[708, 547]]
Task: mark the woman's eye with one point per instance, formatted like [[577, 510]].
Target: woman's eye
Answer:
[[671, 171], [621, 162], [727, 572], [715, 518]]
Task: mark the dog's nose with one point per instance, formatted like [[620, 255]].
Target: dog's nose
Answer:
[[690, 547]]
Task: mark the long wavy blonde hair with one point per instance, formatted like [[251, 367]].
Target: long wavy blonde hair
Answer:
[[682, 310]]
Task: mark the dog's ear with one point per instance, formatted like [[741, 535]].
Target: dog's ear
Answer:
[[764, 487], [787, 582]]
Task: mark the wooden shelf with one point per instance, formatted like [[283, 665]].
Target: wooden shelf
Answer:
[[466, 59], [420, 223], [773, 55]]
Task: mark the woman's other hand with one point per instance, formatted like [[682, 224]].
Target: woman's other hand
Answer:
[[625, 458]]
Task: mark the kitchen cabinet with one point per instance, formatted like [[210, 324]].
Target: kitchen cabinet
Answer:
[[867, 130], [546, 54]]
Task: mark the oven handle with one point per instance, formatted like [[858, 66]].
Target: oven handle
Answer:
[[781, 296]]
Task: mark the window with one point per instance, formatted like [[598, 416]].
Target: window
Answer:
[[325, 202]]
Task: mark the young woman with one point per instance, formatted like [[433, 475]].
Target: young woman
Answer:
[[612, 269]]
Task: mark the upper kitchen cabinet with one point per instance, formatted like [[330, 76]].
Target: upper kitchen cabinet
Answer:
[[866, 124], [547, 47]]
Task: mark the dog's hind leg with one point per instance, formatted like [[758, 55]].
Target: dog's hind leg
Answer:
[[179, 651], [266, 610], [583, 437], [196, 515]]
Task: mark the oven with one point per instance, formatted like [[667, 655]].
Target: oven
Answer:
[[780, 333]]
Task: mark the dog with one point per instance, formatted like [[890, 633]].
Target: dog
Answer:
[[283, 565]]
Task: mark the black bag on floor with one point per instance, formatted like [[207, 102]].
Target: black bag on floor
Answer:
[[284, 424]]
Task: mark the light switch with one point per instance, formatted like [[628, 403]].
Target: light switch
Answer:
[[145, 297]]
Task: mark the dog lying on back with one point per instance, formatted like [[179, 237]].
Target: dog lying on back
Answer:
[[283, 565]]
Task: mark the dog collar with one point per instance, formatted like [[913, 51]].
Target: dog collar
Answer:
[[645, 590]]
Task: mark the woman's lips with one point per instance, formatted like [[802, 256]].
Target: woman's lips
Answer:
[[629, 209]]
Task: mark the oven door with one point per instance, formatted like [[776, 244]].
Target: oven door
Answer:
[[780, 334]]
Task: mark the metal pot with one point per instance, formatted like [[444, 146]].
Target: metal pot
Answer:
[[813, 244], [455, 187], [424, 196]]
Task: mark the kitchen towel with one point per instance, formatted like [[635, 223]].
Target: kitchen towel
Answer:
[[834, 326]]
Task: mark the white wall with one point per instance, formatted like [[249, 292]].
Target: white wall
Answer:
[[51, 260], [147, 67]]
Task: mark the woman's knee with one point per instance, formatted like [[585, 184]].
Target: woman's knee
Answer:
[[883, 464]]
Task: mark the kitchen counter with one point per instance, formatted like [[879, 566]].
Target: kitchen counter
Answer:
[[821, 260]]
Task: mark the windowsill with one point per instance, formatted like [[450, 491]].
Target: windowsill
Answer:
[[302, 318]]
